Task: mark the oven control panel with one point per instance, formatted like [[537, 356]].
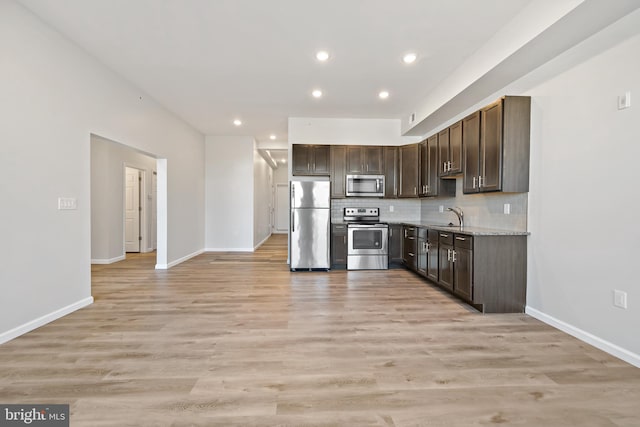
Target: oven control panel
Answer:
[[361, 211]]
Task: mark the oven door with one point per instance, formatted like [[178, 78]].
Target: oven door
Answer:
[[367, 239]]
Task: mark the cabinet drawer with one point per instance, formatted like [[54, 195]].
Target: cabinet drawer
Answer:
[[339, 229], [463, 241], [410, 231], [446, 238]]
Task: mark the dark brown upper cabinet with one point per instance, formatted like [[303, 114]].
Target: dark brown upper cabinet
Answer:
[[338, 171], [408, 167], [496, 147], [450, 144], [430, 183], [391, 175], [364, 159], [310, 160]]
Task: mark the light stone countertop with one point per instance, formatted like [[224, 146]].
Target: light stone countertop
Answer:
[[468, 230]]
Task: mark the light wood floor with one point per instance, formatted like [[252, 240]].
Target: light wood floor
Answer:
[[235, 339]]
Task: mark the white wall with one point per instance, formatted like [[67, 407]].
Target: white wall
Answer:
[[262, 199], [280, 175], [229, 193], [54, 96], [108, 160]]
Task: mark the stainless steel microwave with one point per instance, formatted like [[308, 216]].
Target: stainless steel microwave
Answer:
[[365, 186]]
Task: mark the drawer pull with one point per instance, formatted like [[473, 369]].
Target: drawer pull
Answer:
[[444, 235], [460, 238]]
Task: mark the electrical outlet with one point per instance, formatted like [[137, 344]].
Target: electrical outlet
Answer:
[[507, 208], [441, 209], [620, 299], [624, 101], [391, 208], [67, 203]]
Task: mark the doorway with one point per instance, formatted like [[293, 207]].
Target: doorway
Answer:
[[133, 209], [282, 208]]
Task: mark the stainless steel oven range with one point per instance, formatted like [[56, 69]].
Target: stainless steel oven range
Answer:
[[367, 239]]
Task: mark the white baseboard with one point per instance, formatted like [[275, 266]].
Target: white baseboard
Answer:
[[179, 260], [261, 243], [41, 321], [595, 341], [228, 250], [108, 261]]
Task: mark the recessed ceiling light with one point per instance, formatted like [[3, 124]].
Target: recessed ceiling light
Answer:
[[272, 137], [317, 93], [409, 58], [237, 122], [322, 55], [383, 94]]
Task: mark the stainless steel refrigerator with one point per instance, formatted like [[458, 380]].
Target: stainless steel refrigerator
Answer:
[[310, 225]]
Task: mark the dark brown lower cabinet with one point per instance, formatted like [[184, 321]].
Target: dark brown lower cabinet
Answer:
[[395, 244], [409, 247], [487, 271], [338, 246]]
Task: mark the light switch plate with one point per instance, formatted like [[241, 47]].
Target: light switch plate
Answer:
[[624, 101], [67, 203], [441, 209], [507, 208], [620, 299]]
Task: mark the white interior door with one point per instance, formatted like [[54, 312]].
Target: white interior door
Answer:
[[282, 208], [132, 210]]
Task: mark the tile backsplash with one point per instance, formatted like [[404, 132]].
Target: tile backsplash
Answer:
[[480, 210], [403, 209]]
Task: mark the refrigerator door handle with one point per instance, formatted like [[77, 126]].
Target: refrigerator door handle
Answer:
[[293, 221]]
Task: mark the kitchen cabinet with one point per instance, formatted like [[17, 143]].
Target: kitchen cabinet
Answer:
[[430, 183], [338, 171], [495, 144], [339, 246], [432, 255], [364, 159], [391, 176], [395, 244], [310, 160], [408, 168], [450, 149], [409, 247], [455, 265], [422, 259]]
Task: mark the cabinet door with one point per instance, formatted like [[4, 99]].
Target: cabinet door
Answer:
[[443, 149], [491, 147], [409, 171], [433, 179], [373, 160], [354, 160], [445, 266], [423, 168], [432, 255], [455, 148], [471, 152], [390, 172], [338, 245], [421, 262], [338, 171], [395, 243], [463, 282], [301, 159], [321, 160]]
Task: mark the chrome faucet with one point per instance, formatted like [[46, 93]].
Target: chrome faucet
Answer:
[[459, 214]]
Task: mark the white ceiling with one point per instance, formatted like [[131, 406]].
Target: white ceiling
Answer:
[[211, 61]]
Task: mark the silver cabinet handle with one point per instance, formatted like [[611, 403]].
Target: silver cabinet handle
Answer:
[[415, 190], [405, 233], [450, 165], [480, 182], [412, 254], [474, 182], [344, 239], [460, 238], [453, 257], [390, 232], [427, 246], [444, 166], [444, 235], [411, 238], [448, 254]]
